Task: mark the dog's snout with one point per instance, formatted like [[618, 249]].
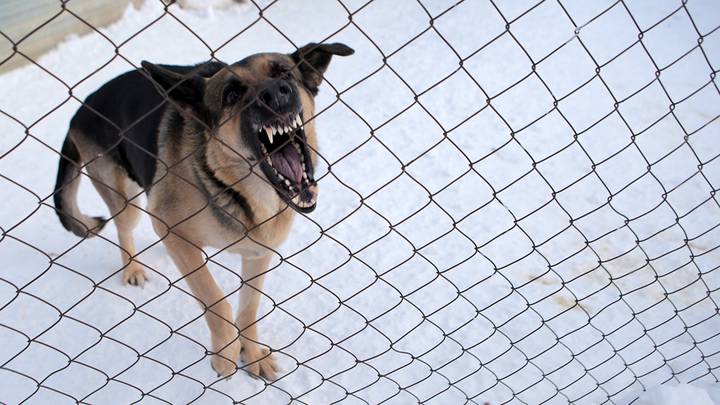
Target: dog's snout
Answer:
[[284, 88], [275, 95], [267, 98]]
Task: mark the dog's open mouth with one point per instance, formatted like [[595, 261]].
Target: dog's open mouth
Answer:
[[286, 160]]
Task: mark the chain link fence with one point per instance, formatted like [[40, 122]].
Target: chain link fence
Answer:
[[519, 205]]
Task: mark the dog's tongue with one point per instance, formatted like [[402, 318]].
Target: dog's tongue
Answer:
[[287, 161]]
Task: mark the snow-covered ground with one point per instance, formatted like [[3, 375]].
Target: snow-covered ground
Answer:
[[680, 394], [442, 264]]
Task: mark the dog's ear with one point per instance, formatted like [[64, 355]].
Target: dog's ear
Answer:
[[313, 60], [185, 90]]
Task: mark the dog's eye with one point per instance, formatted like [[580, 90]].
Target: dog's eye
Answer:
[[232, 94], [231, 97]]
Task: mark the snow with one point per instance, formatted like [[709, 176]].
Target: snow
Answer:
[[680, 394], [442, 264]]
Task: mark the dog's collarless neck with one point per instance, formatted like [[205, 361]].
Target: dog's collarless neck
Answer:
[[215, 189]]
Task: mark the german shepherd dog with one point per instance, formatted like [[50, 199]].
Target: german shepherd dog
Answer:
[[225, 154]]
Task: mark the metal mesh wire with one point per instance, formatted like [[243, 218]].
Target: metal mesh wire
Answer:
[[559, 369]]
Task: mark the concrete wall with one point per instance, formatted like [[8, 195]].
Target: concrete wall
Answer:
[[36, 26]]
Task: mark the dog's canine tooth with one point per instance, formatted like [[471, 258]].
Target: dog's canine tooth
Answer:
[[269, 133], [298, 120]]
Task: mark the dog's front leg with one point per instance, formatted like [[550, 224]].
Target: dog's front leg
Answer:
[[256, 356], [218, 313]]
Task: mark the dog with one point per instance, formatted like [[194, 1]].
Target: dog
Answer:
[[225, 154]]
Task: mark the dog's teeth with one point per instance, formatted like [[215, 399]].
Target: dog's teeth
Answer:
[[280, 130], [287, 130], [298, 120]]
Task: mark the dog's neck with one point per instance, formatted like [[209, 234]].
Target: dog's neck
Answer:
[[245, 184]]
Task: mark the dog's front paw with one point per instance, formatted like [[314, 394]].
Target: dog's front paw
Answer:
[[258, 360], [134, 274], [223, 362]]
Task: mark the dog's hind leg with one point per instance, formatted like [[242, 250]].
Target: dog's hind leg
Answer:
[[117, 190], [256, 356]]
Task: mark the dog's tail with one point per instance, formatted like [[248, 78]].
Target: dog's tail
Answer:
[[65, 196]]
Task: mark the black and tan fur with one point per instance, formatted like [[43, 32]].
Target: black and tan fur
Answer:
[[194, 138]]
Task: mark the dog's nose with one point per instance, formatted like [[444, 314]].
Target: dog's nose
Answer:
[[275, 95]]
